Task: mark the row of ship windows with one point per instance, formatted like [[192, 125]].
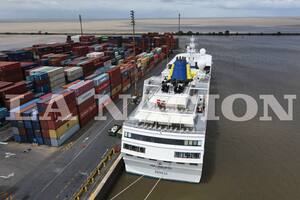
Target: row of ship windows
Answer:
[[194, 164], [134, 148], [163, 140], [176, 154], [187, 155]]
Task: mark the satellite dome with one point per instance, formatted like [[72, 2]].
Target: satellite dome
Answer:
[[202, 51]]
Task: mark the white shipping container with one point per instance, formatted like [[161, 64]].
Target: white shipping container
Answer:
[[74, 77], [69, 71], [75, 38], [95, 55]]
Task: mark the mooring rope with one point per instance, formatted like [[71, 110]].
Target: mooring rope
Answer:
[[152, 189], [134, 182]]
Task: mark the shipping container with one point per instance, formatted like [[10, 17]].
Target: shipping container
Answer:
[[11, 72], [73, 73]]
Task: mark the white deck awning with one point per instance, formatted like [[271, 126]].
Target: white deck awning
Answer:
[[170, 100], [165, 118]]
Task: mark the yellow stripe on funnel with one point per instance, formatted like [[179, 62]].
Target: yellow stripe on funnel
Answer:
[[171, 72], [188, 72]]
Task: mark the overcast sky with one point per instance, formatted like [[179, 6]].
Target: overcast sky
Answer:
[[20, 9]]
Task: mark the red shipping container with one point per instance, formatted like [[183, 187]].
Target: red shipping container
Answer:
[[4, 66], [115, 76], [87, 38], [103, 86], [67, 96], [23, 98], [88, 116], [82, 87], [4, 84], [80, 50], [105, 58], [11, 71], [87, 111], [17, 88], [90, 65], [88, 103], [54, 123]]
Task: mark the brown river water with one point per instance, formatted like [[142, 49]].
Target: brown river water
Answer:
[[243, 160]]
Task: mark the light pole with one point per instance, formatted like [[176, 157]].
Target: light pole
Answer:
[[179, 22], [132, 17], [132, 22], [80, 21]]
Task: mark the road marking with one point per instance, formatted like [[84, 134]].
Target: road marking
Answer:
[[8, 176], [3, 143], [152, 189], [83, 173], [8, 154]]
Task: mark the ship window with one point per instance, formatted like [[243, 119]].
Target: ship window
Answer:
[[187, 155], [162, 140], [127, 134], [134, 148], [200, 143]]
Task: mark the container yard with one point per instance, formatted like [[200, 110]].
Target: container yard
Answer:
[[48, 96], [32, 77]]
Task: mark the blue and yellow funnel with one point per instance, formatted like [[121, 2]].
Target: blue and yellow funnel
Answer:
[[180, 70]]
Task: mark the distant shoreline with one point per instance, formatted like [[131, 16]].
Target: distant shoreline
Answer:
[[189, 33], [145, 18]]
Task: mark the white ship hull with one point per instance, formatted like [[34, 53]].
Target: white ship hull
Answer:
[[159, 169], [165, 136]]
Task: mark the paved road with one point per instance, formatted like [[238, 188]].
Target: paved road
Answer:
[[62, 174]]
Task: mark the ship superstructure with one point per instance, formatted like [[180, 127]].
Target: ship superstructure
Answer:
[[164, 137]]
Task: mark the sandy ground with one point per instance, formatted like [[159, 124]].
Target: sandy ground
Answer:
[[118, 26]]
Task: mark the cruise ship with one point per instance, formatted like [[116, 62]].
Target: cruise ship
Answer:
[[164, 137]]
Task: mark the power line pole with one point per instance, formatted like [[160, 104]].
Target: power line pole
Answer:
[[179, 22], [132, 22], [80, 21], [132, 17]]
